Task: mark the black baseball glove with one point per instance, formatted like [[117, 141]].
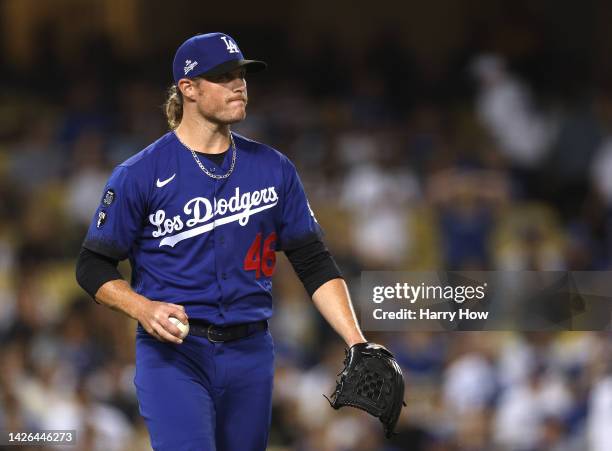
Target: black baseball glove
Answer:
[[372, 381]]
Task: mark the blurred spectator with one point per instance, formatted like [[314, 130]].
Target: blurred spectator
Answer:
[[470, 384], [466, 202], [88, 178], [36, 161], [600, 414], [378, 197], [528, 405], [506, 108]]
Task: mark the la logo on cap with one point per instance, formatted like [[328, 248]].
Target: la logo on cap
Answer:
[[231, 45]]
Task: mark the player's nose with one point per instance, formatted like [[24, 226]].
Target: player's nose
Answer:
[[239, 84]]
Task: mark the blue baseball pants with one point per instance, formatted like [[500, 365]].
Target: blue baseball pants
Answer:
[[204, 396]]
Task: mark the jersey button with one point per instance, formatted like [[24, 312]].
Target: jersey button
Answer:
[[224, 276], [221, 240]]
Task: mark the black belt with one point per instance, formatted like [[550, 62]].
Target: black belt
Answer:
[[218, 334]]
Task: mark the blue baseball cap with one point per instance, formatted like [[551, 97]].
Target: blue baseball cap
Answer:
[[210, 54]]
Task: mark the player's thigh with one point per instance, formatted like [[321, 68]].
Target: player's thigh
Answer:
[[244, 408], [173, 400]]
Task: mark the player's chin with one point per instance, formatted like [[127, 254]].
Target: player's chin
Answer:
[[236, 115]]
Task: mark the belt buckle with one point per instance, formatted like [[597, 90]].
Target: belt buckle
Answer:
[[208, 333]]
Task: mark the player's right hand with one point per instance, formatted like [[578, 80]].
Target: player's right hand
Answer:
[[154, 317]]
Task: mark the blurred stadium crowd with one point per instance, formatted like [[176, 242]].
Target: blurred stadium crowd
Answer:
[[485, 164]]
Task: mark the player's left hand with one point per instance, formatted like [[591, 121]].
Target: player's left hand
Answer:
[[372, 381]]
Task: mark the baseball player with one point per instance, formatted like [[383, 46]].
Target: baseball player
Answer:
[[200, 214]]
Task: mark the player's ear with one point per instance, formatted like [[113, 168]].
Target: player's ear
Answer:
[[188, 88]]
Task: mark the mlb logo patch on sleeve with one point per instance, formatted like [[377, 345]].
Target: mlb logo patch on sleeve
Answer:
[[101, 219]]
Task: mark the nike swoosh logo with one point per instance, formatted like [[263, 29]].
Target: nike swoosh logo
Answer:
[[163, 183]]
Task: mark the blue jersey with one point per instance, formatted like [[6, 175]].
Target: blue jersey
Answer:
[[207, 244]]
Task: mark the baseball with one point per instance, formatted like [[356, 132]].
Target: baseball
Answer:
[[183, 327]]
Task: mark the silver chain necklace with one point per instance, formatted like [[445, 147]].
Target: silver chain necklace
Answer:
[[206, 171]]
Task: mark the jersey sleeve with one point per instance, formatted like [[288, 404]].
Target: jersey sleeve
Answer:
[[298, 223], [118, 219]]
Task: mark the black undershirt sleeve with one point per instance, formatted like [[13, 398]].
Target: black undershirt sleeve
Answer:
[[93, 270], [313, 264]]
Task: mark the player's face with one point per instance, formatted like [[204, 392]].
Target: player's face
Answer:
[[223, 98]]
